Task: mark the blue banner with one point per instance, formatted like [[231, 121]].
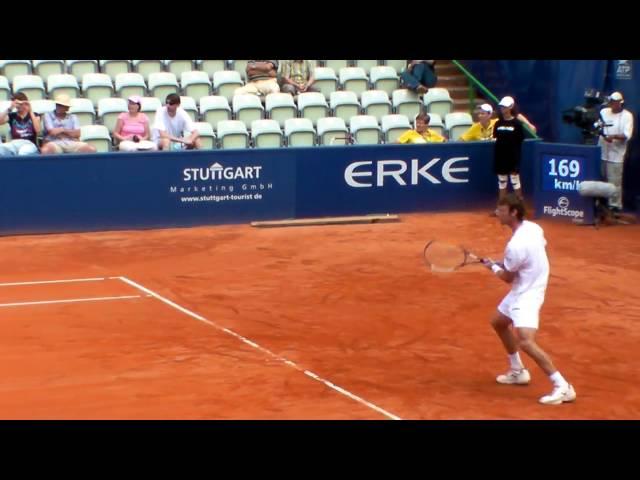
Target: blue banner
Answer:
[[560, 169], [65, 193]]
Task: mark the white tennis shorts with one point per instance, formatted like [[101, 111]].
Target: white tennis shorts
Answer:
[[523, 308]]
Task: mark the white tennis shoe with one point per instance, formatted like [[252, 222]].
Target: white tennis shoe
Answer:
[[515, 377], [559, 395]]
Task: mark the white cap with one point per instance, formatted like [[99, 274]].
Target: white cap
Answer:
[[616, 97], [485, 107], [507, 102]]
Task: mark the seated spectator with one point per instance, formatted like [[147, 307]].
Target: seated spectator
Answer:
[[297, 77], [63, 130], [173, 124], [421, 134], [24, 125], [132, 128], [261, 78], [419, 76], [483, 128]]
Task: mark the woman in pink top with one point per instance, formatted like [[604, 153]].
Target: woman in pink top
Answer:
[[132, 128]]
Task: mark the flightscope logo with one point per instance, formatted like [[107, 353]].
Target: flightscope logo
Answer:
[[370, 174], [563, 210]]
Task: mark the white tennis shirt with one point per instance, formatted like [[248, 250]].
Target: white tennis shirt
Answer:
[[525, 254]]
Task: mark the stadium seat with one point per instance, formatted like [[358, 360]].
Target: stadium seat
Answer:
[[393, 126], [44, 68], [146, 67], [12, 68], [83, 109], [162, 84], [189, 106], [96, 86], [405, 102], [96, 135], [344, 105], [109, 109], [177, 67], [247, 108], [212, 66], [332, 131], [457, 123], [114, 67], [266, 134], [384, 78], [31, 85], [207, 137], [325, 81], [150, 106], [78, 68], [365, 129], [195, 84], [366, 65], [64, 83], [299, 132], [226, 82], [128, 84], [5, 89], [376, 103], [312, 105], [336, 65], [280, 107], [232, 134], [436, 124], [43, 106], [354, 79], [438, 100], [240, 66], [213, 109], [398, 65]]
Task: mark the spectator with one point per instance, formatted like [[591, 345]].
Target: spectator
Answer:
[[422, 133], [509, 134], [172, 124], [614, 141], [24, 125], [483, 128], [132, 128], [63, 130], [419, 76], [297, 76], [261, 78]]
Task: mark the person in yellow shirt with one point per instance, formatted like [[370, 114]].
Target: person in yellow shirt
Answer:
[[483, 129], [421, 134]]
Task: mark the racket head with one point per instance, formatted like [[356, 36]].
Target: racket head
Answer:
[[440, 256]]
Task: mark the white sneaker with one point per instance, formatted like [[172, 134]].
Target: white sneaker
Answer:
[[559, 395], [515, 377]]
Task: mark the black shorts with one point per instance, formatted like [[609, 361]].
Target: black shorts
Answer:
[[506, 164]]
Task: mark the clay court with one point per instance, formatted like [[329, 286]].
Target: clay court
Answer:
[[313, 322]]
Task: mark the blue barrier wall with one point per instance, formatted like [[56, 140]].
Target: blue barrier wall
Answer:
[[65, 193]]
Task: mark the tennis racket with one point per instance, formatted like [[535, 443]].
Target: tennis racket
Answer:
[[447, 257]]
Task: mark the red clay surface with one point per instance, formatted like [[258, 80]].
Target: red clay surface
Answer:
[[353, 304]]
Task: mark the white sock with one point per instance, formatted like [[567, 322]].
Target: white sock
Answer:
[[558, 380], [515, 362]]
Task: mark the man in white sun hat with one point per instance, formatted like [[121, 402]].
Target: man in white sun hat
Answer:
[[63, 130], [613, 141], [483, 129]]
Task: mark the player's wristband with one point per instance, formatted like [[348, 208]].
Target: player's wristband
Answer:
[[495, 268]]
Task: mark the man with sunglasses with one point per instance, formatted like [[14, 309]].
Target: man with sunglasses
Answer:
[[173, 128]]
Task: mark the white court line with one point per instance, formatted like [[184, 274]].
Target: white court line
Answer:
[[262, 349], [72, 300], [54, 281]]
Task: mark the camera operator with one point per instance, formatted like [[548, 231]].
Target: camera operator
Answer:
[[617, 130]]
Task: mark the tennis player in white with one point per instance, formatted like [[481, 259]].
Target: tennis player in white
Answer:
[[526, 268]]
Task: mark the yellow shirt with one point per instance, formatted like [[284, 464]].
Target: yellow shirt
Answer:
[[411, 136], [477, 132]]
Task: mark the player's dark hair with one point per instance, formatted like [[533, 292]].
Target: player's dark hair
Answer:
[[512, 201], [20, 96]]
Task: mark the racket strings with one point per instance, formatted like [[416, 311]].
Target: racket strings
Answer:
[[444, 257]]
